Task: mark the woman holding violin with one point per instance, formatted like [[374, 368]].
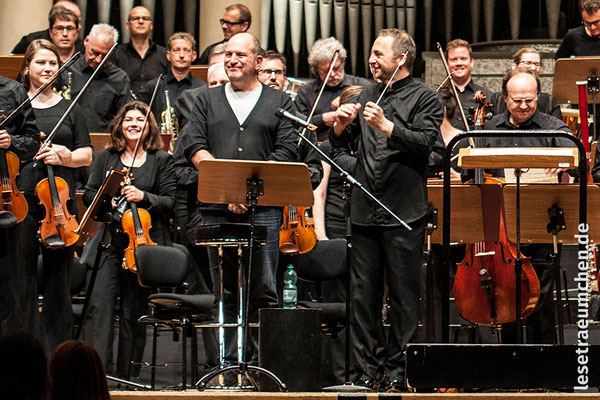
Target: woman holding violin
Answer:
[[71, 148], [152, 189]]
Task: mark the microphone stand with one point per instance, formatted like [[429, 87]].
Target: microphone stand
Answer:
[[350, 182]]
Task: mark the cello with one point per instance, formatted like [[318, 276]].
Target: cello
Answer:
[[484, 286]]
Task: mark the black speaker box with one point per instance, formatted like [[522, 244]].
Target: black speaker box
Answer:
[[501, 366], [290, 346]]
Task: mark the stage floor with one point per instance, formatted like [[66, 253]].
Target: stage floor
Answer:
[[218, 395]]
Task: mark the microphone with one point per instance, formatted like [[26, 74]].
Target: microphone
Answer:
[[281, 113]]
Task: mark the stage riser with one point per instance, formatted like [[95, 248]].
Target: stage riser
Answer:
[[499, 366]]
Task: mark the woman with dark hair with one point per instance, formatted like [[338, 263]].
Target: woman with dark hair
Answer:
[[76, 373], [70, 149], [153, 189]]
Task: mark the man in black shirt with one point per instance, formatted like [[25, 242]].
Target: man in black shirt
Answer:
[[109, 91], [237, 18], [181, 52], [20, 137], [141, 58], [392, 141], [237, 121], [45, 34], [64, 28], [460, 63], [584, 40], [319, 61]]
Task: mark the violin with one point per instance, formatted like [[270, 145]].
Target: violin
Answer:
[[297, 233], [12, 200], [57, 229], [484, 286], [136, 222]]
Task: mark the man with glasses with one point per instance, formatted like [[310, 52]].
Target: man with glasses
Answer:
[[583, 40], [460, 63], [181, 52], [237, 18], [47, 33], [528, 57], [319, 61], [64, 28], [141, 58]]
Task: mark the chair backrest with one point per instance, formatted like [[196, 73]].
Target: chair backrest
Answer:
[[161, 266], [326, 262]]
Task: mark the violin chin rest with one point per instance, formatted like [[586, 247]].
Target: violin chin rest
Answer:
[[54, 241], [7, 219]]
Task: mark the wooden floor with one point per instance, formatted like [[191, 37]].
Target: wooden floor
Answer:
[[224, 395]]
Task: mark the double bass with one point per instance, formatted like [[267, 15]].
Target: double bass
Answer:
[[484, 286]]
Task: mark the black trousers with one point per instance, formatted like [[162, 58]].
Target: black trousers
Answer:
[[57, 313], [393, 252], [9, 283]]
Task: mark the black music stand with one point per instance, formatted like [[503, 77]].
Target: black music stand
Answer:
[[518, 158], [99, 213], [567, 72], [252, 183]]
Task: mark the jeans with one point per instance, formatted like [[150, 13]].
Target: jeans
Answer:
[[263, 292]]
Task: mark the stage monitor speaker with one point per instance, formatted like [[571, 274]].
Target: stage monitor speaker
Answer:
[[501, 366], [290, 346]]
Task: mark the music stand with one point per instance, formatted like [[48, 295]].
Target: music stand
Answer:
[[567, 72], [519, 158], [93, 217], [253, 183], [537, 200]]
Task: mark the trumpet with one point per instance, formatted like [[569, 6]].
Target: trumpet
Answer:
[[169, 125]]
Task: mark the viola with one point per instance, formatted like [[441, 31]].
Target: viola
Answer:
[[484, 286], [57, 229], [297, 233]]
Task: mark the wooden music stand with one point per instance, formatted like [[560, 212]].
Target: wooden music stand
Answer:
[[535, 202], [518, 157], [10, 66], [467, 208], [567, 71], [89, 222], [252, 183], [200, 72], [285, 184]]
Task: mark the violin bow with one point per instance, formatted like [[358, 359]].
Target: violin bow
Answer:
[[35, 94], [454, 92], [387, 85], [129, 170], [334, 59]]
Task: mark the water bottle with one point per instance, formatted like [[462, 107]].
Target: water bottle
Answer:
[[290, 291]]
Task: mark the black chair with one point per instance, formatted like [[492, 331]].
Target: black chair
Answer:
[[326, 262], [165, 270]]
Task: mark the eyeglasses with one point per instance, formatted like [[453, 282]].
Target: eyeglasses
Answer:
[[142, 19], [268, 72], [60, 29], [590, 24], [229, 24], [530, 64], [526, 101]]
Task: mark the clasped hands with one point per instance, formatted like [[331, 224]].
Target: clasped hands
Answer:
[[373, 114]]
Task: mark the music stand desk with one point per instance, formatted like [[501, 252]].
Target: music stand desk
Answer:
[[567, 71]]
